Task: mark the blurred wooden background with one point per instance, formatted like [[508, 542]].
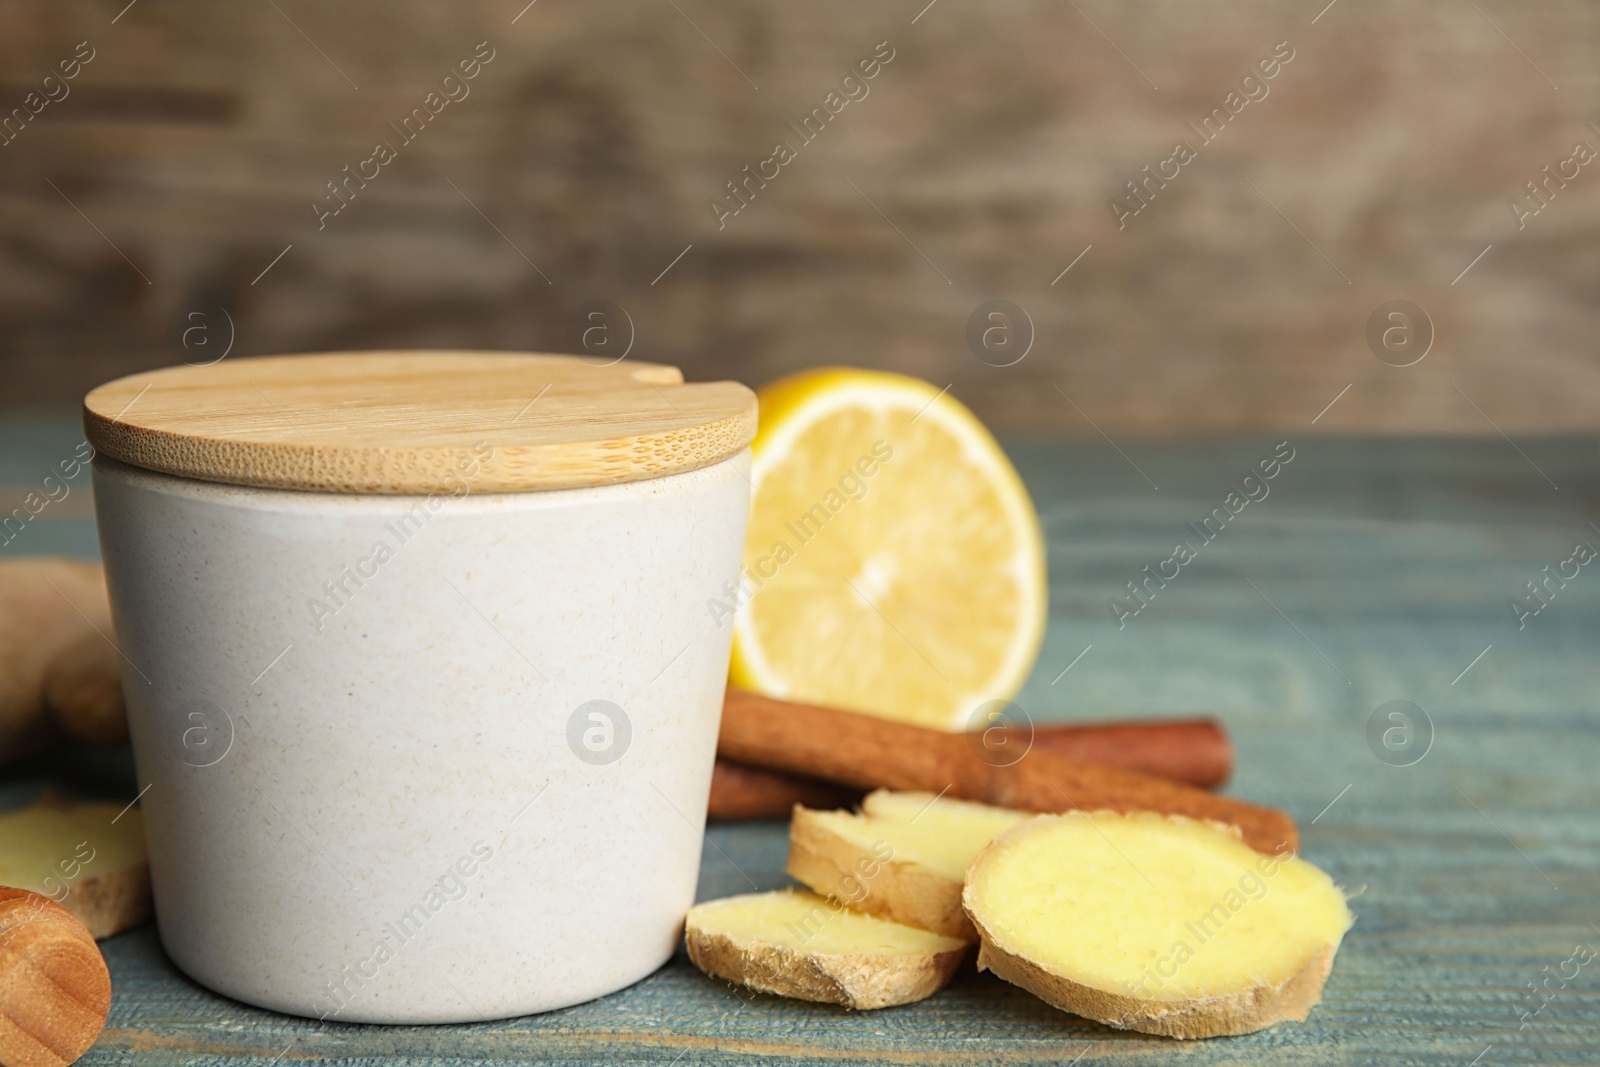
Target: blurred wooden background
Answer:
[[187, 155]]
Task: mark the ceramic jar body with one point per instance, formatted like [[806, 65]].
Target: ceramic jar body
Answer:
[[422, 759]]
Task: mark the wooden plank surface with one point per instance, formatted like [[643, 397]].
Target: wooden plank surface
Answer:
[[597, 156], [1392, 563]]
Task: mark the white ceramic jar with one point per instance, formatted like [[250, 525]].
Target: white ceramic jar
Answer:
[[426, 709]]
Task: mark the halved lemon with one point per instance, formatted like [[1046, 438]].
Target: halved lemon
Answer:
[[894, 563]]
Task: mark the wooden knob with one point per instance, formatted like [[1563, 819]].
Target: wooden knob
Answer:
[[55, 990]]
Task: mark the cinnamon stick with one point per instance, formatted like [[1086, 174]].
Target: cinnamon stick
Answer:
[[740, 791], [871, 753], [1196, 751]]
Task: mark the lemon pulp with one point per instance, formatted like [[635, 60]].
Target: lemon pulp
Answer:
[[894, 563]]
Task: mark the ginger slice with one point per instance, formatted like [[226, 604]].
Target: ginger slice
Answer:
[[1155, 923], [52, 676], [797, 944], [905, 857], [75, 854]]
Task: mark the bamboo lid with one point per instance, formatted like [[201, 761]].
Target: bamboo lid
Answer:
[[418, 422]]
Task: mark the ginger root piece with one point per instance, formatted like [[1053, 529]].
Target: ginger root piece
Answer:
[[55, 990], [1155, 923], [83, 690], [75, 855], [904, 858], [797, 944], [56, 612]]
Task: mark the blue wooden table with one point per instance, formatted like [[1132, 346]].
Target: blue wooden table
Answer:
[[1373, 571]]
